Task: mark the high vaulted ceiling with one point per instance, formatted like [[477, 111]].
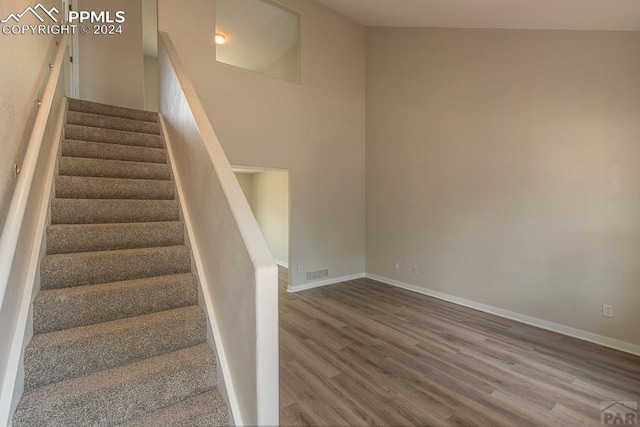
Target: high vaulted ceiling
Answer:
[[620, 15]]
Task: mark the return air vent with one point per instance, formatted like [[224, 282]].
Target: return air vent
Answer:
[[312, 276]]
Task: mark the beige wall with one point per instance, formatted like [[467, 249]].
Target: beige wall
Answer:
[[271, 201], [112, 66], [268, 197], [23, 71], [246, 183], [151, 95], [316, 129], [505, 165]]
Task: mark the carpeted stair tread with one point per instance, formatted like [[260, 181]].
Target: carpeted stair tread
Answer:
[[69, 238], [94, 211], [59, 309], [88, 268], [86, 187], [205, 410], [78, 166], [109, 110], [104, 151], [114, 396], [111, 136], [70, 353], [111, 122]]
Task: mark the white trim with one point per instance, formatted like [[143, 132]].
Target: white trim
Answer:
[[256, 169], [522, 318], [282, 263], [74, 45], [197, 258], [321, 283], [267, 344], [20, 335]]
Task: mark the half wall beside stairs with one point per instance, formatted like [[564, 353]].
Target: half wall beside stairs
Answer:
[[238, 274]]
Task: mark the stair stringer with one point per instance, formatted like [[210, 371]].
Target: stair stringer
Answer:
[[214, 338], [13, 384]]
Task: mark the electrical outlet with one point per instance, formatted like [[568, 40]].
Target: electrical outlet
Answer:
[[397, 265], [415, 269], [607, 310], [300, 269]]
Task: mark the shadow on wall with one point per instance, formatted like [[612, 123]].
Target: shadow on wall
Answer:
[[268, 195]]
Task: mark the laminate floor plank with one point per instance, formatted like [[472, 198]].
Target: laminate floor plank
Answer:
[[570, 417], [304, 356], [368, 402], [352, 413], [524, 386], [367, 379], [364, 353]]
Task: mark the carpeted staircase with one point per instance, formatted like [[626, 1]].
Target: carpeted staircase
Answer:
[[119, 336]]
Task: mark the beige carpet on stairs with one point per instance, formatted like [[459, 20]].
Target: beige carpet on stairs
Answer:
[[119, 336]]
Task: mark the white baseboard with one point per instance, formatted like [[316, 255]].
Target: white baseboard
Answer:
[[321, 283], [282, 263], [522, 318]]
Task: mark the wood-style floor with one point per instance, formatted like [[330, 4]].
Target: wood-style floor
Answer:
[[365, 353]]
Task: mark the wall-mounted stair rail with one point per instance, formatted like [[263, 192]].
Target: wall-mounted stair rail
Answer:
[[23, 229]]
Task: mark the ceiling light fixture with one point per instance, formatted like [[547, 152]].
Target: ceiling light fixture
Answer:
[[220, 38]]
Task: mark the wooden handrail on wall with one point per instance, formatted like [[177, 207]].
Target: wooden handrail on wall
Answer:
[[15, 215]]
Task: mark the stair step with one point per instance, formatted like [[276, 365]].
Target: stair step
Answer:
[[100, 150], [83, 187], [110, 136], [88, 268], [110, 122], [207, 409], [77, 166], [109, 110], [58, 309], [92, 211], [120, 394], [70, 353], [68, 238]]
